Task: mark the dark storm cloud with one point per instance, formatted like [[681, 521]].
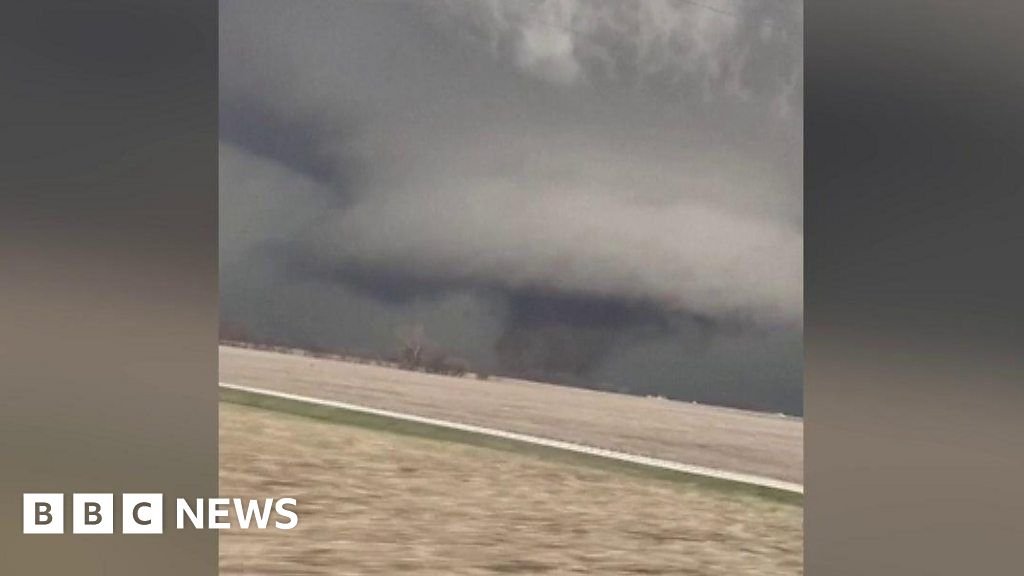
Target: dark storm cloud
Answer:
[[310, 144], [590, 172], [565, 336], [390, 286]]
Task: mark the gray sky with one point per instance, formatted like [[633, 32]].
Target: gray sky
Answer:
[[602, 193]]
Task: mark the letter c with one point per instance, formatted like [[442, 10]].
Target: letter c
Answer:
[[135, 514]]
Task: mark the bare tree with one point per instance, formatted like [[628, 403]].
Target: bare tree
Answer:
[[413, 339]]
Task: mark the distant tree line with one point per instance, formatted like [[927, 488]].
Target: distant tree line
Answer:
[[413, 353]]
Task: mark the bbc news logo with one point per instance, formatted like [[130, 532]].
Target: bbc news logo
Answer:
[[93, 513]]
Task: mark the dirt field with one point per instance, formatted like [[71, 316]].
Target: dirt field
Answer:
[[372, 502], [734, 440]]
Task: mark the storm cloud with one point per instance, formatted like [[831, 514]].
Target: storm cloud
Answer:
[[607, 193]]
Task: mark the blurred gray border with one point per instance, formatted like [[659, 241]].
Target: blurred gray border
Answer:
[[914, 380], [108, 273]]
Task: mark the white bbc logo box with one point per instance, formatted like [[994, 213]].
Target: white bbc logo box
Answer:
[[91, 513], [43, 514]]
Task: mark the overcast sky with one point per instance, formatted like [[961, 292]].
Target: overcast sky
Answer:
[[602, 193]]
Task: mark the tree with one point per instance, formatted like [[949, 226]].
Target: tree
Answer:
[[413, 341]]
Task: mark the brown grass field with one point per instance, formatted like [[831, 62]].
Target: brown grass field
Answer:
[[735, 440], [374, 502]]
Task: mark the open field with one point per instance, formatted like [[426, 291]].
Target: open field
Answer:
[[376, 502], [740, 441], [340, 414]]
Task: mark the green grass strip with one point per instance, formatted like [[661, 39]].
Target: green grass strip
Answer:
[[376, 422]]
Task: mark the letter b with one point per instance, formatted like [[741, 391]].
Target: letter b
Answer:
[[42, 514], [93, 514]]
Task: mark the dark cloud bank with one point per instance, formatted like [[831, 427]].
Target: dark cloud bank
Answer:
[[599, 193]]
